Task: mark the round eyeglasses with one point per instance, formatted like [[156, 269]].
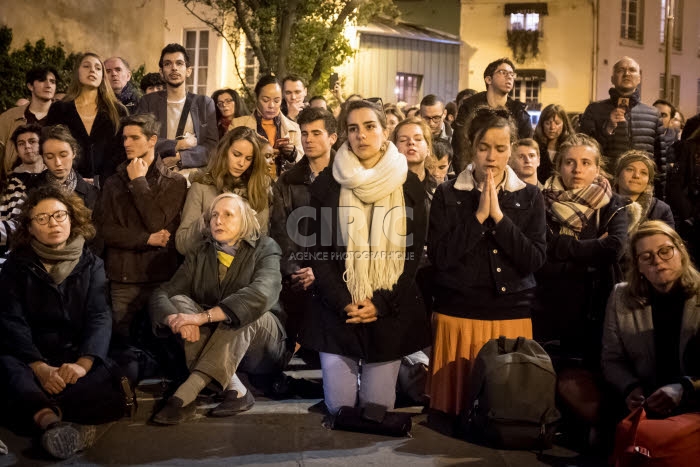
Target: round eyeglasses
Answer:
[[43, 219], [664, 253]]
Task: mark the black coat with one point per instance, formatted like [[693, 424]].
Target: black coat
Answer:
[[481, 269], [683, 192], [102, 150], [401, 327], [517, 110], [40, 320], [575, 282]]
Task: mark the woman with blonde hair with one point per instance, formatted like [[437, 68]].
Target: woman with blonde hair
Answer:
[[634, 180], [238, 166], [651, 339], [91, 112]]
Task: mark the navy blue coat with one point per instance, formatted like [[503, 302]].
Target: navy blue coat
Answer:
[[40, 320]]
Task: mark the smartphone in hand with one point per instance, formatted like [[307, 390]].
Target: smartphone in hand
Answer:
[[279, 142]]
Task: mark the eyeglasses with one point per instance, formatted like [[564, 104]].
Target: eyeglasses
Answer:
[[220, 104], [436, 119], [43, 219], [509, 74], [665, 253]]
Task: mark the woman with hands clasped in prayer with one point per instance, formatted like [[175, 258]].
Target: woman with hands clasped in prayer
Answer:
[[367, 310], [55, 324], [486, 239]]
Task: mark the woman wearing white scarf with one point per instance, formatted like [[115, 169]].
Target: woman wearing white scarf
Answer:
[[367, 310]]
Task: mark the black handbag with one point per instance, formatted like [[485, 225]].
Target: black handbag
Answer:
[[374, 419]]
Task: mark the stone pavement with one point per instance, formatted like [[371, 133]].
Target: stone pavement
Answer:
[[278, 433]]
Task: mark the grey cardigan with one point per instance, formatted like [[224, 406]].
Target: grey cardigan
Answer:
[[628, 356]]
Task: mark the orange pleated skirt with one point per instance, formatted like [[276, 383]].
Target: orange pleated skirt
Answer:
[[456, 342]]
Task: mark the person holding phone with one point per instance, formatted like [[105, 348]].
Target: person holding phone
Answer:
[[271, 124]]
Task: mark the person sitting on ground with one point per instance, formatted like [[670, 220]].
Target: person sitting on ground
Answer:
[[651, 338], [29, 163], [634, 179], [222, 302], [55, 324], [237, 166], [60, 152]]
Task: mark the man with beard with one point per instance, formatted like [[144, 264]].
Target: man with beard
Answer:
[[499, 77], [188, 134], [140, 211], [118, 75], [41, 82]]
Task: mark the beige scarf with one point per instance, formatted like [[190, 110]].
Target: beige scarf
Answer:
[[372, 220], [63, 260]]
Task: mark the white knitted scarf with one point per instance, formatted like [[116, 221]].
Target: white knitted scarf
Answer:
[[371, 220]]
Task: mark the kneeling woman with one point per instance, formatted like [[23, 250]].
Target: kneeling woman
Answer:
[[486, 239], [219, 301], [56, 323], [651, 339]]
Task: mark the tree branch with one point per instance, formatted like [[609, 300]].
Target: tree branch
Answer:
[[289, 18], [252, 37], [347, 10]]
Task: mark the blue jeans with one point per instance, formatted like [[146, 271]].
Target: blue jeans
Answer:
[[343, 382]]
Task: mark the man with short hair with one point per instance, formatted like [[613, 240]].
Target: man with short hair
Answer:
[[441, 161], [318, 102], [432, 110], [41, 82], [118, 76], [294, 92], [139, 213], [26, 141], [623, 122], [499, 77], [291, 194], [666, 111], [152, 82], [188, 133], [524, 160]]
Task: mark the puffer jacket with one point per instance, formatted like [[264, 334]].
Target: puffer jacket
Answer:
[[516, 109], [643, 131]]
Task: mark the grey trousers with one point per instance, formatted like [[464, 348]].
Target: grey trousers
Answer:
[[257, 348], [343, 384]]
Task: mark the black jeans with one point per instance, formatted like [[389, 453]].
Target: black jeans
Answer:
[[95, 398]]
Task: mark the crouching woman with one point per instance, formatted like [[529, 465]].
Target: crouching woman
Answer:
[[219, 302]]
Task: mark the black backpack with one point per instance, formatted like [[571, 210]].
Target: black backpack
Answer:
[[511, 399]]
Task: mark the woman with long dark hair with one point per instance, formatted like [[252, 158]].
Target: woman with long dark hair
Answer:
[[552, 129], [229, 105]]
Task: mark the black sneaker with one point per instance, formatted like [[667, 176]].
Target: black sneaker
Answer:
[[173, 413], [63, 440], [232, 404]]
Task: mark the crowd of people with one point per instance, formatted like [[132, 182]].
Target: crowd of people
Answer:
[[176, 234]]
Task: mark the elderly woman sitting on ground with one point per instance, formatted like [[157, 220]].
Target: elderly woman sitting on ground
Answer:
[[220, 302]]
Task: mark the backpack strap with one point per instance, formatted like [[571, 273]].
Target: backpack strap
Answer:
[[184, 115]]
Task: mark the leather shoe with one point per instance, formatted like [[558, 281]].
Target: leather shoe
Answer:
[[173, 413], [232, 404]]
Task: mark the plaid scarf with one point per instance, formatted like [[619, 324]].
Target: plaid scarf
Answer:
[[574, 208]]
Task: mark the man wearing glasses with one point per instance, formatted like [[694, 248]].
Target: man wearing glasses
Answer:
[[188, 133], [432, 110], [499, 77]]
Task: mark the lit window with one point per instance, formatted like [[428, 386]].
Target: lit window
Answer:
[[407, 88], [197, 46], [525, 21], [528, 87], [632, 21], [251, 67]]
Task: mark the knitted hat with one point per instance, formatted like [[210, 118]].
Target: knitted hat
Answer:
[[636, 156]]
